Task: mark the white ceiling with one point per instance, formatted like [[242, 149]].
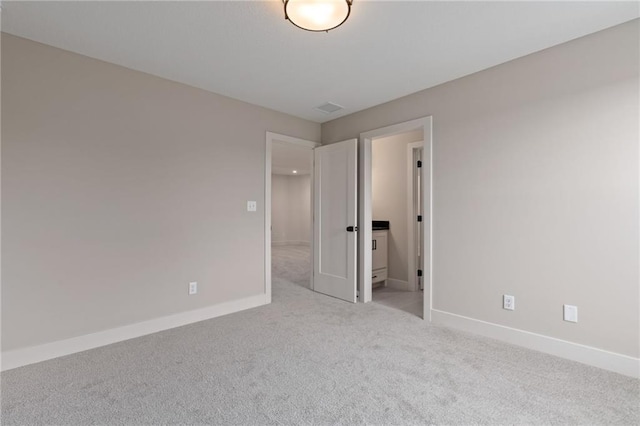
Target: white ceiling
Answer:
[[246, 50], [286, 157]]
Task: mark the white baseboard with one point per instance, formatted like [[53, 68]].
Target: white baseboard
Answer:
[[397, 284], [20, 357], [290, 243], [589, 355]]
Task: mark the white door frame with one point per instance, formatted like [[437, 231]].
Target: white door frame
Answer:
[[365, 216], [270, 138], [411, 215]]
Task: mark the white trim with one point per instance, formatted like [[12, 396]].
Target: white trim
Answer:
[[427, 197], [397, 284], [364, 226], [411, 216], [20, 357], [365, 231], [270, 138], [589, 355]]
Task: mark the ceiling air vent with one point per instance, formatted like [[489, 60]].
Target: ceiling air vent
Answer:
[[329, 108]]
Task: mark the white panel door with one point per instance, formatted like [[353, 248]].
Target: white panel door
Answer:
[[334, 225]]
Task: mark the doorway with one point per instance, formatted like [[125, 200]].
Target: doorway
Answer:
[[288, 213], [421, 272], [333, 244], [396, 213]]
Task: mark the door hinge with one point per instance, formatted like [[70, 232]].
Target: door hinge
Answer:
[[419, 272], [419, 164], [420, 218]]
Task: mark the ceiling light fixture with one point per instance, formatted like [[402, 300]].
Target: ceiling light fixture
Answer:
[[295, 171], [317, 15]]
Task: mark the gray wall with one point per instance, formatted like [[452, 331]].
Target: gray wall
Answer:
[[118, 188], [291, 209], [389, 196], [535, 190]]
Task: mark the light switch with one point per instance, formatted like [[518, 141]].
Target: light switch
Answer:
[[570, 313], [252, 206]]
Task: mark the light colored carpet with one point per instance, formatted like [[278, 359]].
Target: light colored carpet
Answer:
[[312, 359], [292, 263]]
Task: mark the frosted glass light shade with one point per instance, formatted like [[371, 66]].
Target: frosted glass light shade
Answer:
[[317, 15]]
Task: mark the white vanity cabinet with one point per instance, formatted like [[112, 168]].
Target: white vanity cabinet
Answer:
[[379, 258]]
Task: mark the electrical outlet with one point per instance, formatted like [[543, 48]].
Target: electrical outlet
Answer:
[[570, 313], [193, 288], [508, 302], [252, 206]]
